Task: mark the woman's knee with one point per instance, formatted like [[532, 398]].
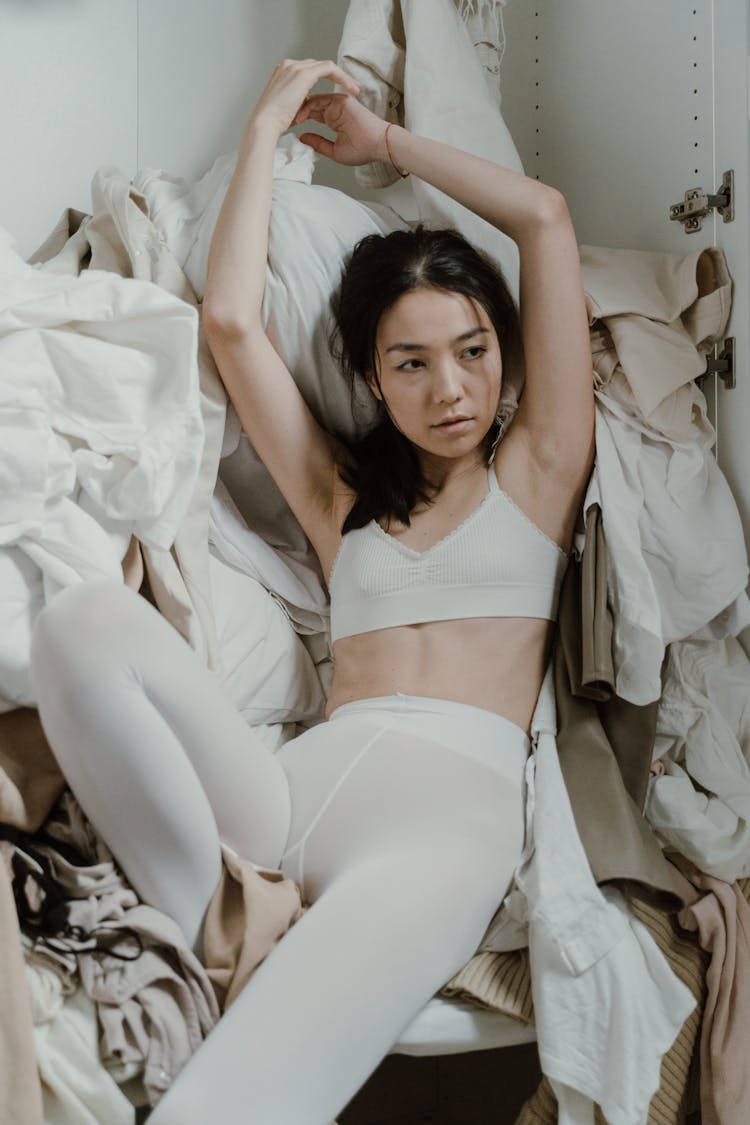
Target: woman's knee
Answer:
[[78, 628]]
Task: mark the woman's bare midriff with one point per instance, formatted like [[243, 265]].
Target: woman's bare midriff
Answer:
[[494, 663]]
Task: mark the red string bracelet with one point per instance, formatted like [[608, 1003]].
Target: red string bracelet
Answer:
[[403, 175]]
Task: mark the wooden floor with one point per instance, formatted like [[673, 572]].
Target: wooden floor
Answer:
[[477, 1088]]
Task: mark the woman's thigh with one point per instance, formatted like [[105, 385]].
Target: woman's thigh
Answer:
[[157, 754], [363, 787]]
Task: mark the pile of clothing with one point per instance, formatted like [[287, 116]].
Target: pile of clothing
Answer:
[[124, 458]]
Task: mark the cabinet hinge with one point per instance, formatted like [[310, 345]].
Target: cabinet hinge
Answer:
[[698, 203], [721, 363]]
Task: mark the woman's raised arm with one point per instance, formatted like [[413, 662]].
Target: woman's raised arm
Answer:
[[557, 407], [298, 453]]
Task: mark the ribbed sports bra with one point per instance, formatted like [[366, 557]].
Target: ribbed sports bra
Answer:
[[495, 563]]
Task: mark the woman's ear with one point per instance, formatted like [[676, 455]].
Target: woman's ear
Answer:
[[372, 383]]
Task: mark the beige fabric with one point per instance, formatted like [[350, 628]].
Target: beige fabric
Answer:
[[604, 743], [30, 780], [30, 783], [654, 317], [720, 918], [20, 1089], [249, 912], [500, 981], [373, 50]]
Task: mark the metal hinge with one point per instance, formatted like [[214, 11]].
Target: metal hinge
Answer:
[[721, 363], [698, 203]]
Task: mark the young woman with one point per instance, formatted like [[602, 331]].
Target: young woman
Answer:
[[401, 815]]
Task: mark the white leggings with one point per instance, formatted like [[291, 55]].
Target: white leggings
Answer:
[[401, 818]]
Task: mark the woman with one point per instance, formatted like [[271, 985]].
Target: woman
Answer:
[[401, 816]]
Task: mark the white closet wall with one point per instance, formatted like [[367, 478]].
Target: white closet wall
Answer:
[[626, 106], [137, 83]]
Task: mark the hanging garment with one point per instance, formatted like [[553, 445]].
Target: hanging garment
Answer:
[[606, 1004], [676, 551]]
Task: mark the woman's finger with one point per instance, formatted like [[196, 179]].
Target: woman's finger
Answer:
[[329, 69], [315, 69], [320, 144], [315, 106]]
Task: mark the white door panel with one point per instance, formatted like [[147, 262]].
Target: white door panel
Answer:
[[626, 106]]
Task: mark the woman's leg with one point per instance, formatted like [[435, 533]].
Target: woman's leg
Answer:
[[157, 755], [405, 866]]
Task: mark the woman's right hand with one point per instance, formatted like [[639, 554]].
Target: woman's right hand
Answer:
[[288, 88]]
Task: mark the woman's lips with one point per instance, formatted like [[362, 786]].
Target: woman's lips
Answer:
[[457, 427]]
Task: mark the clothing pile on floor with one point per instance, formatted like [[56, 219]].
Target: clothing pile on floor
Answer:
[[122, 458]]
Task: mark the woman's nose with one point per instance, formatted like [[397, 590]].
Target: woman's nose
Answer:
[[448, 386]]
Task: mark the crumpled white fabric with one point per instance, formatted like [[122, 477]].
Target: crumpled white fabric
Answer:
[[100, 435], [675, 545], [267, 670], [185, 213], [76, 1088], [700, 804], [607, 1005], [305, 604]]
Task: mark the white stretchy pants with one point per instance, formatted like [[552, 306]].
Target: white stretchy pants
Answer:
[[400, 817]]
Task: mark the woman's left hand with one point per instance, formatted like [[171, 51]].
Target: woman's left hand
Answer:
[[359, 133], [288, 88]]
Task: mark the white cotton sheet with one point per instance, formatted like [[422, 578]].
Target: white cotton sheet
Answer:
[[699, 801], [101, 435], [76, 1088], [675, 545], [267, 670]]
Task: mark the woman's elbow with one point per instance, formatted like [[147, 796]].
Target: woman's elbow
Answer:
[[221, 322], [553, 208]]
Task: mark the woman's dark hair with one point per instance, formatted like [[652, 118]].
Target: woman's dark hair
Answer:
[[383, 467]]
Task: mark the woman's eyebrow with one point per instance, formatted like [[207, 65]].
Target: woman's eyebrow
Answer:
[[426, 347]]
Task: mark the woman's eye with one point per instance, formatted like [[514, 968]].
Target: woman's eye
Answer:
[[474, 351], [411, 365]]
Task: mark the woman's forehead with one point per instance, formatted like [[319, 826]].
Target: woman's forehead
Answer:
[[430, 315]]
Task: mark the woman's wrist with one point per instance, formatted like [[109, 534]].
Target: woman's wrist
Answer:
[[403, 173], [260, 130], [391, 148]]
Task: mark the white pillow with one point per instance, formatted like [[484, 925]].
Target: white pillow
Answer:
[[312, 231], [268, 672]]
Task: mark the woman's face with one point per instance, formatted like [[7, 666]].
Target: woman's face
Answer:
[[439, 360]]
